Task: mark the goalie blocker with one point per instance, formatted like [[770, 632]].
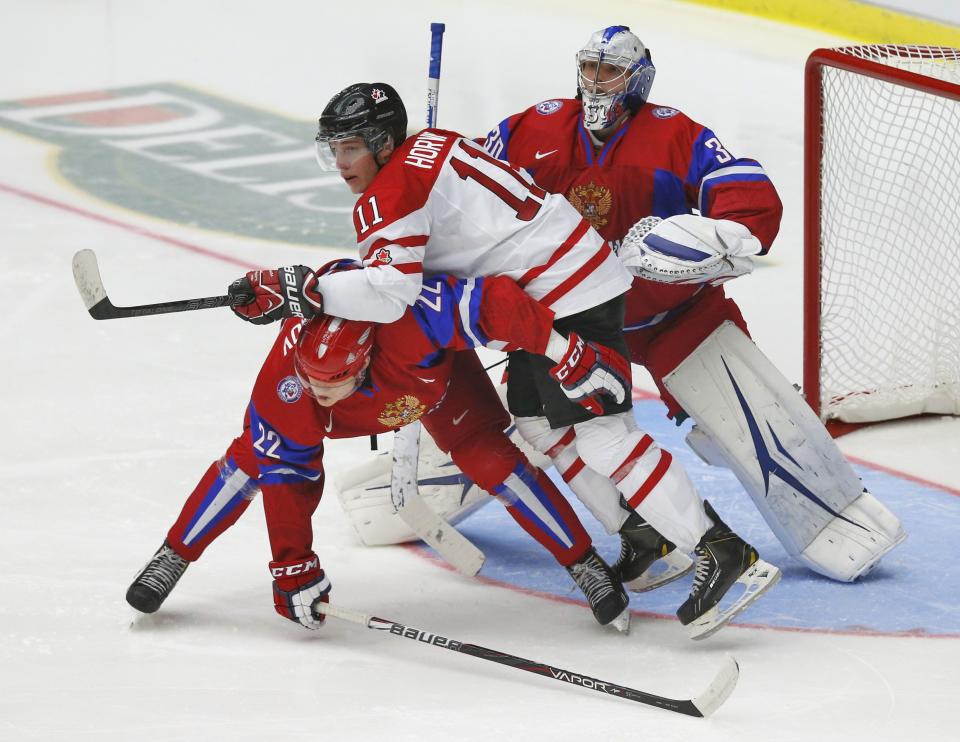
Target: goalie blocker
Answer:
[[750, 419]]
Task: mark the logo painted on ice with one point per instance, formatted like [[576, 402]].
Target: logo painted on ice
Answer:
[[549, 106], [289, 389], [663, 112]]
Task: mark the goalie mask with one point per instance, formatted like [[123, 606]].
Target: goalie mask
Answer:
[[371, 112], [332, 350], [614, 74]]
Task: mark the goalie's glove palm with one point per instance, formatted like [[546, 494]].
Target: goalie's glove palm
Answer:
[[588, 370], [298, 585], [688, 249], [290, 291]]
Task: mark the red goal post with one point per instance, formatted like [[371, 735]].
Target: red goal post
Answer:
[[881, 233]]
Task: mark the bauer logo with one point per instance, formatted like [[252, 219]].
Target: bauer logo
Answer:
[[289, 389], [662, 112], [549, 106], [189, 157]]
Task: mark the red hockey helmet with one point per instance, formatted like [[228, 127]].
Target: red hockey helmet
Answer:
[[332, 349]]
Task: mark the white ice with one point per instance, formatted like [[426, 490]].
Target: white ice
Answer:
[[107, 426]]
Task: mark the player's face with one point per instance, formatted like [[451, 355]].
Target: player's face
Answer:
[[355, 163], [327, 394], [602, 78]]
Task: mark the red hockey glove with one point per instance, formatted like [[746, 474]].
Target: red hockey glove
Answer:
[[298, 585], [290, 291], [588, 370]]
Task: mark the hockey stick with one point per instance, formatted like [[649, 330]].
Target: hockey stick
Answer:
[[446, 540], [86, 274], [703, 705], [433, 73]]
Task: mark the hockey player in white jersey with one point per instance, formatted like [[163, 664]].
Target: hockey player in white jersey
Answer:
[[437, 202]]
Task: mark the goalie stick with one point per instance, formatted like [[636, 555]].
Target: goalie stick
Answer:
[[702, 705], [446, 540], [86, 274]]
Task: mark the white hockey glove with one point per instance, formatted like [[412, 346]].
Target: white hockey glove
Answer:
[[688, 249]]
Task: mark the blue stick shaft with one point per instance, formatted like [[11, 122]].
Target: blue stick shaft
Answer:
[[433, 82]]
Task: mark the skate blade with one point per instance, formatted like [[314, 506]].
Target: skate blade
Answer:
[[757, 580], [622, 622], [663, 571]]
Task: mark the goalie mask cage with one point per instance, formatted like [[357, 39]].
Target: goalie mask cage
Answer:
[[882, 233]]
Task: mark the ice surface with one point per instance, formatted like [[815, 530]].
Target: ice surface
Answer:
[[107, 426]]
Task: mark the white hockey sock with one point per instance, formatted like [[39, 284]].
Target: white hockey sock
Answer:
[[651, 480], [595, 491]]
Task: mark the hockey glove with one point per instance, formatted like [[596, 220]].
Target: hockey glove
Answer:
[[688, 249], [586, 370], [298, 585], [290, 291]]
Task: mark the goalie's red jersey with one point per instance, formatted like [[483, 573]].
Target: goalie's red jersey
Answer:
[[659, 163], [443, 205]]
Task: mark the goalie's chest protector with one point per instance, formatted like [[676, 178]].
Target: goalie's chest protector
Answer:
[[643, 169]]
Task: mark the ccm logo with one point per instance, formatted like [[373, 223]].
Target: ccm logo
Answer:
[[293, 570], [572, 361]]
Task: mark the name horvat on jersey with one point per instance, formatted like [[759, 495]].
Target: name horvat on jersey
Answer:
[[425, 150]]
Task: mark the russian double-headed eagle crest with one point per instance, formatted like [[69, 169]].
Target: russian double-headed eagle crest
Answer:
[[402, 411], [593, 202]]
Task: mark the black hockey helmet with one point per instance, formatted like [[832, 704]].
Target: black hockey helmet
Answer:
[[372, 111]]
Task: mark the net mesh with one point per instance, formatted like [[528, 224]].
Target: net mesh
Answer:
[[890, 239]]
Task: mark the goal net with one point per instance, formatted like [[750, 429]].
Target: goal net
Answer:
[[882, 232]]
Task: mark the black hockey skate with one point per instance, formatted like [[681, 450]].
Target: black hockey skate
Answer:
[[723, 559], [606, 595], [152, 586], [647, 559]]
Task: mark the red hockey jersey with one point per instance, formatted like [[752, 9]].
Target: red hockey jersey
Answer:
[[659, 163], [443, 205], [408, 374]]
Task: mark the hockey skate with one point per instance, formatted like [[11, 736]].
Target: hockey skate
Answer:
[[155, 581], [723, 558], [608, 600], [647, 560]]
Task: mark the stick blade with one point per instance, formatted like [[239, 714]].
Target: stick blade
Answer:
[[719, 689], [86, 275]]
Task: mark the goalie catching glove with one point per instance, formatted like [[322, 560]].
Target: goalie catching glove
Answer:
[[586, 370], [298, 585], [290, 291], [688, 249]]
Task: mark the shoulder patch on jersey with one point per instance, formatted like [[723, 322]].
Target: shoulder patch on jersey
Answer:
[[664, 112], [289, 389], [549, 106]]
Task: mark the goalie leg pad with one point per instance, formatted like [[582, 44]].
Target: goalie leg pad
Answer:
[[751, 419], [364, 494]]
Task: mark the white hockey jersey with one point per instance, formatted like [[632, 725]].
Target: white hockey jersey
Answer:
[[443, 205]]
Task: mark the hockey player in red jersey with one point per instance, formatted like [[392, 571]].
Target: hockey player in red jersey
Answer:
[[686, 215], [335, 378], [437, 202]]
